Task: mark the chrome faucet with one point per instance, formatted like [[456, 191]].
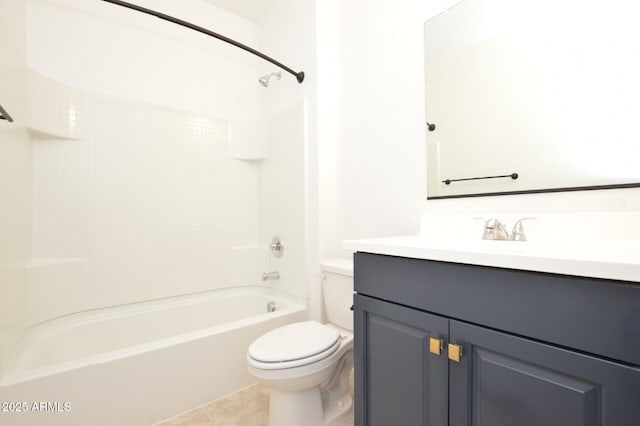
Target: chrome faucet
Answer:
[[494, 230], [517, 234], [275, 275]]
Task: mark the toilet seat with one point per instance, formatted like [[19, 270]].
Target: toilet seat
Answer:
[[293, 345]]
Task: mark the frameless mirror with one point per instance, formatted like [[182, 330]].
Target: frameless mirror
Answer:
[[532, 96]]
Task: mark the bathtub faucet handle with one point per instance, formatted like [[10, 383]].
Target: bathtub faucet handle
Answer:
[[275, 275], [277, 246]]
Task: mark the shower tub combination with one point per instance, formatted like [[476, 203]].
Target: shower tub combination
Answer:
[[138, 364]]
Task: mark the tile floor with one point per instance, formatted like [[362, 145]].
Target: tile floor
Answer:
[[247, 407]]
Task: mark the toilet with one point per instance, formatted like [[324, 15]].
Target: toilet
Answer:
[[306, 365]]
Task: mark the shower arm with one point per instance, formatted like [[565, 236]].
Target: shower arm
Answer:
[[4, 115], [299, 75]]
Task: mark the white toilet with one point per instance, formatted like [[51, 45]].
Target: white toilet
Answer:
[[306, 365]]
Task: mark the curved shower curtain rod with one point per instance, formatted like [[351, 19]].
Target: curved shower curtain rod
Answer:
[[4, 115], [299, 75]]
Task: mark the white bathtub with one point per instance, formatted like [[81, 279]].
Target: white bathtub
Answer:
[[141, 363]]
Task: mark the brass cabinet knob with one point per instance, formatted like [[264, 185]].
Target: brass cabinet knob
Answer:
[[455, 352], [436, 346]]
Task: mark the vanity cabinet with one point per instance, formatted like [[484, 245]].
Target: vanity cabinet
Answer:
[[403, 384], [536, 349]]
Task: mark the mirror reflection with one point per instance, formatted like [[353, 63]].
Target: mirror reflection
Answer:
[[547, 90]]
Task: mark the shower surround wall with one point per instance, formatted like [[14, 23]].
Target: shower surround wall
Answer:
[[15, 180], [146, 204], [134, 170], [288, 31]]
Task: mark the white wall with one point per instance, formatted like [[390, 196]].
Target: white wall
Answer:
[[97, 46], [15, 179], [372, 131], [371, 119]]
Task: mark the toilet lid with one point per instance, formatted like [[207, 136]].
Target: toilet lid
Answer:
[[294, 342]]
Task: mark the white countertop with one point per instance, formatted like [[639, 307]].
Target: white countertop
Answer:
[[618, 260]]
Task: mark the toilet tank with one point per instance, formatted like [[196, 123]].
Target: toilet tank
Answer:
[[337, 288]]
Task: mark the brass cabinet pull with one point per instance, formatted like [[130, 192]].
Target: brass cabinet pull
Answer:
[[436, 346], [455, 352]]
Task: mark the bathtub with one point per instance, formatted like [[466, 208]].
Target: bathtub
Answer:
[[140, 363]]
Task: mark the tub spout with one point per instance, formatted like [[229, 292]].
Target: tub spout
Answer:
[[275, 275]]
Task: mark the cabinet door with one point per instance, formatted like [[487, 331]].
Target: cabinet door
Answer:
[[398, 381], [504, 380]]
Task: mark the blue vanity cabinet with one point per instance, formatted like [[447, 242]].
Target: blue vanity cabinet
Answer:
[[399, 381], [536, 349], [507, 380]]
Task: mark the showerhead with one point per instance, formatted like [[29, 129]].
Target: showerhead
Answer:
[[265, 79]]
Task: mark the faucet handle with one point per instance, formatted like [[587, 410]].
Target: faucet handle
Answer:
[[500, 232], [493, 229], [489, 224], [517, 234]]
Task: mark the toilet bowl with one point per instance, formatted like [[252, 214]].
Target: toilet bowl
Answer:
[[306, 365]]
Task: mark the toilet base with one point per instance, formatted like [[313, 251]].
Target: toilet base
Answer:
[[305, 408], [336, 399], [342, 406], [296, 408], [314, 394], [318, 406]]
